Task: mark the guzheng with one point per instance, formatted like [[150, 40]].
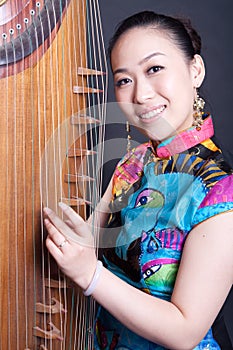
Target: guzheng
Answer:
[[53, 91]]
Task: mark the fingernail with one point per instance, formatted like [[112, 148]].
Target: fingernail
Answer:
[[46, 221], [47, 210], [63, 205]]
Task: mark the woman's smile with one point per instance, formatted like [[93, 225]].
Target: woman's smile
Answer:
[[152, 114]]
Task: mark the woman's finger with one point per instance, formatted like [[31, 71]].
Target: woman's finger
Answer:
[[54, 240], [53, 249], [77, 222], [78, 235], [70, 224], [54, 235]]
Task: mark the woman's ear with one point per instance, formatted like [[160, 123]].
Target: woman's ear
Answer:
[[198, 70]]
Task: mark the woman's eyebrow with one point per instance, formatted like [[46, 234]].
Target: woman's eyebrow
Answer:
[[153, 54], [145, 59], [120, 70]]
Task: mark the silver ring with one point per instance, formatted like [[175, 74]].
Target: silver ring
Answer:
[[62, 244]]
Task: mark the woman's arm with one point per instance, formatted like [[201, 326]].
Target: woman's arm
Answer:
[[203, 282]]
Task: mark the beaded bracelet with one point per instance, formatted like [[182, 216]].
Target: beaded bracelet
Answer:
[[90, 289]]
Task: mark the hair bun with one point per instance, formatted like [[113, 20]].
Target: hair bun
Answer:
[[194, 36]]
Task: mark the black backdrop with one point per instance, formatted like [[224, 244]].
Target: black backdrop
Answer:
[[213, 20]]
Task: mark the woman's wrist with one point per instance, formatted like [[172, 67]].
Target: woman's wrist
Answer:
[[90, 289]]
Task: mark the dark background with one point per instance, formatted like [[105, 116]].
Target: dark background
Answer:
[[213, 20]]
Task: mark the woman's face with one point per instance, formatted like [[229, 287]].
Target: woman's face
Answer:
[[154, 83]]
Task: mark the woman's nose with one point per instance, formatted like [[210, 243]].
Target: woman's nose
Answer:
[[143, 91]]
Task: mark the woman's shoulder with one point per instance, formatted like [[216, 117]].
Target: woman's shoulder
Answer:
[[221, 192], [218, 200]]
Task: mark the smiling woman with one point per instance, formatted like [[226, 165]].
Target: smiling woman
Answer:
[[146, 81], [162, 285]]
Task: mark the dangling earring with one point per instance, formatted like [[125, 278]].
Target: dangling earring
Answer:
[[127, 127], [198, 107]]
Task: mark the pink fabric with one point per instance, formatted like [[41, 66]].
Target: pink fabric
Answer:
[[186, 139]]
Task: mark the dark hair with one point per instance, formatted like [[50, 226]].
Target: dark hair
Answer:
[[179, 30]]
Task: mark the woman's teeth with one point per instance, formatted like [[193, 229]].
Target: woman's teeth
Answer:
[[152, 114]]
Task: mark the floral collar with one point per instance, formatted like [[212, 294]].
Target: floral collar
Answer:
[[185, 139]]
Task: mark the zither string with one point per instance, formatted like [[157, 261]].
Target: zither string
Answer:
[[78, 304]]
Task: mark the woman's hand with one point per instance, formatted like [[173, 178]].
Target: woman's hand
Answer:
[[71, 244]]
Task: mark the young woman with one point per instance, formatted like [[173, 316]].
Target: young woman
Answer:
[[170, 268]]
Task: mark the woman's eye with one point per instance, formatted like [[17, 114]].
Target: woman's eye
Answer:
[[154, 69], [122, 82]]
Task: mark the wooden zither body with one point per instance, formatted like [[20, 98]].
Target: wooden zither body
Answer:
[[51, 72]]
